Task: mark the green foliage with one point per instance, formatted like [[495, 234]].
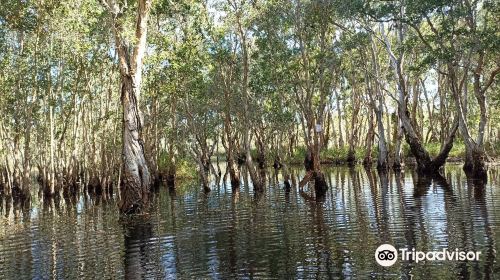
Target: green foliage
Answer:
[[298, 155], [336, 153], [340, 154], [186, 169], [458, 150], [184, 166]]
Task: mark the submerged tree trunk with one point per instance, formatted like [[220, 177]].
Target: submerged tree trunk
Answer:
[[136, 178], [230, 147], [313, 172], [320, 186], [257, 179], [200, 157], [234, 172], [382, 158], [382, 144], [475, 155], [424, 162], [261, 150], [312, 112]]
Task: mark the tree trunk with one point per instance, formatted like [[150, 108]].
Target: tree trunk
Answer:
[[382, 144], [424, 162], [257, 180], [135, 183], [398, 137], [475, 165], [200, 157], [367, 161], [234, 172], [378, 109], [135, 180], [351, 154], [339, 115], [261, 150], [50, 190], [430, 110]]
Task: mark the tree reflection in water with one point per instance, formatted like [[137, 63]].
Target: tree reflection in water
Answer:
[[279, 232], [138, 249]]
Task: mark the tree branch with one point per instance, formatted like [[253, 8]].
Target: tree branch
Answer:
[[491, 79]]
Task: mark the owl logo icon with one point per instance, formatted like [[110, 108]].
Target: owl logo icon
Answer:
[[386, 255]]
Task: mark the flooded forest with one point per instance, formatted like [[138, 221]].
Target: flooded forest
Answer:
[[163, 139]]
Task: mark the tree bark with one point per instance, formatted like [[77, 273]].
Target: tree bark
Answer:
[[136, 178], [367, 161], [475, 165], [398, 138], [382, 163], [339, 116], [201, 159], [353, 137], [229, 144]]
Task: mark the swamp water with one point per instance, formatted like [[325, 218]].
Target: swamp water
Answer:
[[277, 234]]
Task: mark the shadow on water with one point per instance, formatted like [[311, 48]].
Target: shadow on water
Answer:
[[281, 232]]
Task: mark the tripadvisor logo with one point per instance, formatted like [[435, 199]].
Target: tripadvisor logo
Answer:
[[387, 255]]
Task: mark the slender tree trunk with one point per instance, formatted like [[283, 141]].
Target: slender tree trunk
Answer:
[[430, 137], [367, 161], [388, 120], [353, 139], [50, 191], [339, 115], [261, 149], [257, 181], [414, 108], [398, 138], [326, 135], [382, 144], [475, 165], [171, 172], [382, 159], [200, 157], [229, 145]]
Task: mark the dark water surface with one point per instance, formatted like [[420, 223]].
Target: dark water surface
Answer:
[[278, 234]]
